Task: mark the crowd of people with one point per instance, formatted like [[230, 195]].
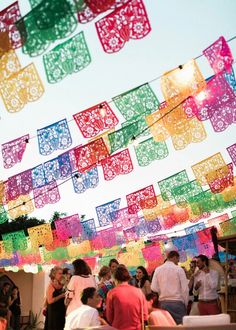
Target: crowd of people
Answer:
[[126, 302]]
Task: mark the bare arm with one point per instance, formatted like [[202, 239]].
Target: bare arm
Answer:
[[49, 295]]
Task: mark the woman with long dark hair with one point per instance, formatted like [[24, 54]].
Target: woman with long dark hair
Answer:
[[15, 308], [81, 280], [142, 280]]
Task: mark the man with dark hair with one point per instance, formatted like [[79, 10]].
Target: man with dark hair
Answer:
[[170, 282], [87, 314], [205, 283]]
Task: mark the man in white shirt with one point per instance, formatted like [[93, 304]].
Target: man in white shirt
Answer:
[[205, 285], [86, 315], [170, 282]]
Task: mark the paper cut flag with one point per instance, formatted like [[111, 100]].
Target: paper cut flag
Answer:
[[20, 206], [184, 242], [104, 211], [220, 178], [183, 192], [53, 137], [195, 228], [69, 57], [157, 127], [3, 215], [8, 17], [40, 235], [230, 78], [206, 166], [117, 164], [219, 55], [20, 184], [88, 229], [9, 64], [122, 219], [68, 227], [149, 150], [86, 180], [13, 151], [182, 82], [228, 227], [56, 242], [58, 168], [20, 88], [96, 119], [166, 185], [127, 22], [38, 176], [142, 199], [48, 194], [122, 137], [90, 154], [14, 241], [216, 221], [136, 102], [232, 152], [47, 22]]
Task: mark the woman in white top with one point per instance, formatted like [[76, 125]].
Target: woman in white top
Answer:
[[81, 279]]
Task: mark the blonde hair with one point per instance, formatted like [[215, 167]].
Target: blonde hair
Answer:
[[53, 272]]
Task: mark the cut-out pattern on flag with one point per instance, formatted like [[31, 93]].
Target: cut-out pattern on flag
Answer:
[[217, 103], [20, 184], [88, 229], [9, 64], [216, 221], [193, 229], [204, 236], [13, 151], [130, 234], [122, 137], [5, 44], [40, 235], [3, 215], [154, 226], [141, 199], [232, 152], [150, 150], [228, 227], [64, 165], [173, 216], [166, 185], [90, 154], [48, 194], [122, 219], [56, 242], [230, 78], [86, 180], [206, 166], [20, 88], [8, 17], [182, 82], [14, 241], [2, 192], [229, 194], [183, 192], [141, 228], [156, 212], [125, 23], [47, 22], [105, 238], [142, 127], [104, 211], [221, 178], [152, 252], [96, 119], [117, 164], [194, 133], [185, 242], [20, 206], [69, 57], [58, 168], [38, 177], [104, 136], [53, 137], [68, 227], [157, 127], [136, 102], [219, 55]]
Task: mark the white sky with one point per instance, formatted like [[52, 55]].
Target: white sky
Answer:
[[181, 29]]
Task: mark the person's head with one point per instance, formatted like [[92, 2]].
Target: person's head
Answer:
[[141, 275], [66, 273], [122, 274], [202, 261], [6, 287], [152, 301], [81, 267], [15, 290], [105, 273], [173, 256], [91, 298], [56, 273], [193, 265], [113, 264]]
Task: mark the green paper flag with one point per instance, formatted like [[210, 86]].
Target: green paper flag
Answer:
[[166, 186], [149, 151], [121, 138], [69, 57]]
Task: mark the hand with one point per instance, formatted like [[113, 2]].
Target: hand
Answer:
[[197, 285]]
